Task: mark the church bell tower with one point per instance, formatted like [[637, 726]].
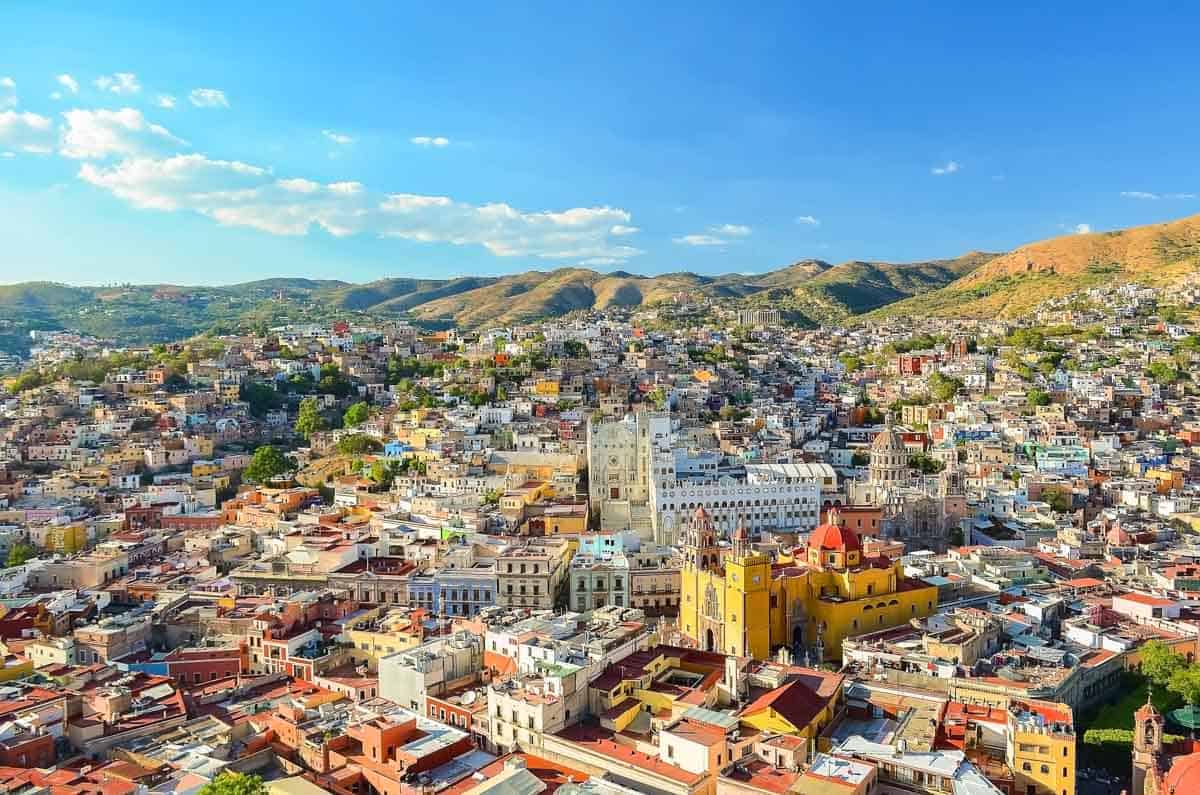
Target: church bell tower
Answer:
[[1147, 747]]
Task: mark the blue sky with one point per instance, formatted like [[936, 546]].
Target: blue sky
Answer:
[[215, 142]]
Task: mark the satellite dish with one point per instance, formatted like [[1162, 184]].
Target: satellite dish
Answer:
[[469, 698]]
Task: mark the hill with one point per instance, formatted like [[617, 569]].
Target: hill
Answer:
[[835, 293], [1014, 283], [808, 291], [538, 294]]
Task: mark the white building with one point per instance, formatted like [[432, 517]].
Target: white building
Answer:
[[768, 497]]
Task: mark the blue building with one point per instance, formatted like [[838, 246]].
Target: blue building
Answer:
[[454, 592]]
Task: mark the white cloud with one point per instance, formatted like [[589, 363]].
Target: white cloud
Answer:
[[345, 188], [68, 82], [90, 134], [950, 168], [299, 185], [165, 101], [620, 230], [580, 233], [8, 93], [730, 230], [1141, 194], [807, 220], [55, 95], [122, 83], [26, 132], [1082, 229], [426, 140], [699, 240], [239, 194], [341, 139], [208, 98]]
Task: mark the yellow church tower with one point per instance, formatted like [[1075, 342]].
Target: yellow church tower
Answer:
[[738, 601], [726, 594]]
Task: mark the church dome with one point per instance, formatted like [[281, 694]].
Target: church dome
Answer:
[[832, 537], [888, 441], [741, 533], [700, 516], [1118, 538], [1184, 775]]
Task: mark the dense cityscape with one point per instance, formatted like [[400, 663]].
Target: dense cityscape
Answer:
[[599, 399], [675, 549]]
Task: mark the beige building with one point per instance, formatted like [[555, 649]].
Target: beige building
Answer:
[[532, 576], [84, 571]]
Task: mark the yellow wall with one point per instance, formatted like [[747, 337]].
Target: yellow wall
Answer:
[[379, 644], [67, 539], [18, 671], [856, 601], [1055, 753]]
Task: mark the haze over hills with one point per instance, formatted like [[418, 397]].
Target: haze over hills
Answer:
[[807, 292]]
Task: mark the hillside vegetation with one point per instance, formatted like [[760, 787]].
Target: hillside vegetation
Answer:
[[1014, 283], [807, 292]]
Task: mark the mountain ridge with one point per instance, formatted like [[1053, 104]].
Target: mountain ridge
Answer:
[[807, 291]]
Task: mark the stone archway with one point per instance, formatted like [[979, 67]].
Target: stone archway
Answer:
[[710, 642]]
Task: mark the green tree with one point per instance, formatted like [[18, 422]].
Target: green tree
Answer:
[[1038, 397], [575, 349], [943, 388], [266, 464], [356, 415], [382, 473], [1185, 683], [1060, 500], [261, 397], [1164, 372], [851, 362], [1160, 662], [333, 382], [19, 554], [232, 783], [310, 420], [358, 444], [927, 465]]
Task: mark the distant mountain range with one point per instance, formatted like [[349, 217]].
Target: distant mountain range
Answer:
[[808, 291]]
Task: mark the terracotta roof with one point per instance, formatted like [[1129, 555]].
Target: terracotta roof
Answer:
[[795, 702]]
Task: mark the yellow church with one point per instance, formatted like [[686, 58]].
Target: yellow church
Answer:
[[738, 601]]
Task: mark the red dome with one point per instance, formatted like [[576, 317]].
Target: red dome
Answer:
[[741, 533], [1184, 775], [833, 537]]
